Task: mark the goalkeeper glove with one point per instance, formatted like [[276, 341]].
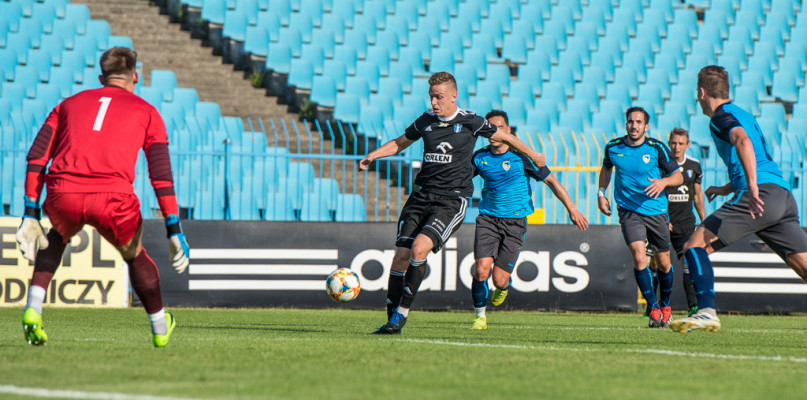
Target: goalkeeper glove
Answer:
[[30, 235], [177, 244]]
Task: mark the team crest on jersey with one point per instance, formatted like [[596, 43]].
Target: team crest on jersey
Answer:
[[689, 173], [506, 165], [646, 158], [457, 128]]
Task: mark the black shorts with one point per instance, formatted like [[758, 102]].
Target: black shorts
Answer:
[[500, 238], [651, 229], [778, 226], [679, 237], [434, 215]]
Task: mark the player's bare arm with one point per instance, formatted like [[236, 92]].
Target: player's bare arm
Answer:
[[713, 191], [657, 186], [578, 219], [602, 198], [745, 152], [697, 200], [537, 158], [390, 148]]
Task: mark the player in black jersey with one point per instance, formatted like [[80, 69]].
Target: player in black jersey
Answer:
[[680, 200], [435, 211]]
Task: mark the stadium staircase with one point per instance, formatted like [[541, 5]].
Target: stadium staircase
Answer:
[[163, 45]]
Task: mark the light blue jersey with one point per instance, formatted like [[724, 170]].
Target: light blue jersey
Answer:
[[507, 192], [635, 165], [727, 117]]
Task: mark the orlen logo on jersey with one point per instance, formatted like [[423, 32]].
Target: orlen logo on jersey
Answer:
[[437, 158], [684, 197]]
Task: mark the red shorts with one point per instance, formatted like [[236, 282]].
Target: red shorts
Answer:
[[116, 216]]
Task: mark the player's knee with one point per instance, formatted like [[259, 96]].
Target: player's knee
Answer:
[[481, 272], [501, 282]]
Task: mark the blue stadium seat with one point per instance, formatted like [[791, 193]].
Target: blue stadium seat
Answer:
[[749, 20], [755, 7], [650, 34], [503, 15], [795, 67], [301, 74], [595, 76], [490, 90], [657, 17], [63, 79], [563, 75], [350, 208], [79, 14], [99, 29], [278, 207], [578, 45], [442, 59], [336, 70], [582, 109], [335, 24], [763, 67], [742, 34], [292, 38], [773, 34], [623, 25], [516, 111], [776, 113], [539, 119], [403, 72], [347, 108], [524, 91], [597, 16], [556, 92], [556, 29], [603, 123], [638, 63], [515, 49], [120, 41], [650, 94], [166, 81], [359, 86], [270, 22], [627, 77], [256, 41], [718, 20], [28, 77], [688, 18], [49, 94], [499, 74], [664, 6], [367, 25], [314, 54], [618, 93], [466, 73], [747, 99], [13, 13], [278, 58], [213, 11], [41, 61], [314, 8], [547, 45], [605, 62], [210, 113], [33, 28], [785, 87]]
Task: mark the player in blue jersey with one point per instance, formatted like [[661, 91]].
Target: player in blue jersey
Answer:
[[762, 203], [501, 224], [644, 169]]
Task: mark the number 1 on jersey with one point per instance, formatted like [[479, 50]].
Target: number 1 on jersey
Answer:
[[99, 118]]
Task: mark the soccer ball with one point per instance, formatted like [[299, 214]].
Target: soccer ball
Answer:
[[343, 285]]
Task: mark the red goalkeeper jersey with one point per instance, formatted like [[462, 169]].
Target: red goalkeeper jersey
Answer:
[[92, 140]]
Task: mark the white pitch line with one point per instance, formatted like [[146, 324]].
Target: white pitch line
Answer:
[[651, 351], [80, 394]]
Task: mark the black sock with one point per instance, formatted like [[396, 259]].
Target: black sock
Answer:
[[394, 290], [414, 276], [692, 301]]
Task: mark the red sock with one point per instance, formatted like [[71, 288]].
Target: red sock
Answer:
[[145, 280], [48, 260]]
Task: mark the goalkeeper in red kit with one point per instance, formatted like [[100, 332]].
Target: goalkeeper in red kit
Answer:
[[92, 140]]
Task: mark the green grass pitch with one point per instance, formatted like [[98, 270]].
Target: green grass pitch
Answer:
[[329, 354]]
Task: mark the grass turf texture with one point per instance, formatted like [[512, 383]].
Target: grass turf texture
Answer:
[[306, 354]]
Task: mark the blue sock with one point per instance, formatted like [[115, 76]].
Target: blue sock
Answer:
[[645, 282], [479, 293], [665, 280], [703, 276]]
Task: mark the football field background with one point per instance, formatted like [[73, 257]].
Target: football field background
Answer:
[[329, 354]]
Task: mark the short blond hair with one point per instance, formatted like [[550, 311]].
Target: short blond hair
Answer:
[[439, 78]]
